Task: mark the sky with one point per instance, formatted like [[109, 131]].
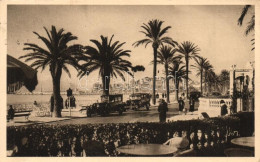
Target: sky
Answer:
[[213, 28]]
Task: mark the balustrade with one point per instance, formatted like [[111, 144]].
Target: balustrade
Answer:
[[212, 105], [41, 109]]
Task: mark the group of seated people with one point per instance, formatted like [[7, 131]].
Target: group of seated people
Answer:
[[84, 140]]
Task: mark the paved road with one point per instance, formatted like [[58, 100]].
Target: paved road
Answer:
[[141, 115]]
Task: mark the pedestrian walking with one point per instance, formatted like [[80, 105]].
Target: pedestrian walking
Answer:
[[162, 109], [192, 103], [183, 95], [157, 95], [223, 108], [181, 105]]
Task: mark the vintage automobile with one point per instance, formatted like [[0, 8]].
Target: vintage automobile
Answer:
[[108, 104], [139, 100]]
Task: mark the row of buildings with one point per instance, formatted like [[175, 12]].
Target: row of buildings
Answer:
[[144, 85]]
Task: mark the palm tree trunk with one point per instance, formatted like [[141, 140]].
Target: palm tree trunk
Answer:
[[106, 82], [176, 89], [154, 72], [167, 83], [187, 77], [58, 102], [201, 73]]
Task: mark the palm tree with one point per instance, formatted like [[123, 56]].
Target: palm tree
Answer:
[[177, 70], [57, 56], [224, 79], [108, 58], [154, 35], [201, 64], [165, 57], [189, 50], [211, 79]]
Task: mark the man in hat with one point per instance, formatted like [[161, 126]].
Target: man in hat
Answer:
[[181, 105], [223, 108], [162, 109]]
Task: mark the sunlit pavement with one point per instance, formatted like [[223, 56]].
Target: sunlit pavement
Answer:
[[75, 117]]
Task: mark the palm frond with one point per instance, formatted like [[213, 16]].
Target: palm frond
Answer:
[[46, 42], [35, 47], [169, 40], [65, 68], [251, 25], [143, 41], [243, 14], [162, 32]]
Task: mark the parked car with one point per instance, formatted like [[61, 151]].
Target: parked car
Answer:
[[108, 104], [139, 100]]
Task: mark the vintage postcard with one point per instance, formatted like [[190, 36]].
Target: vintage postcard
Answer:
[[168, 80]]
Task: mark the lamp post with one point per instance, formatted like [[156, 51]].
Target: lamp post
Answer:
[[241, 82], [253, 84], [234, 97]]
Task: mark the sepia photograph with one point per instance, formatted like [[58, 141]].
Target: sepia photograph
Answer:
[[130, 80]]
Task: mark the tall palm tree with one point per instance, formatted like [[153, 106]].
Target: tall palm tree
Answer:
[[189, 50], [224, 79], [57, 56], [201, 64], [177, 70], [211, 79], [154, 35], [166, 55], [108, 57]]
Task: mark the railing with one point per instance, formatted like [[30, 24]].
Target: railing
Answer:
[[208, 136], [212, 105], [41, 109]]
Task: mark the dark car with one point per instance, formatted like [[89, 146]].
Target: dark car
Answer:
[[139, 100], [108, 104]]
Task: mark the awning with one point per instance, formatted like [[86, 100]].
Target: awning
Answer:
[[19, 72]]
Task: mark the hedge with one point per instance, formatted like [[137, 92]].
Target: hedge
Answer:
[[57, 140]]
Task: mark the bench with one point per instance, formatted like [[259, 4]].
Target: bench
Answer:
[[26, 114]]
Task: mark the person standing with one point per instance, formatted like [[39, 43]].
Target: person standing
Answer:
[[192, 103], [10, 113], [162, 109], [157, 95], [223, 106], [181, 105]]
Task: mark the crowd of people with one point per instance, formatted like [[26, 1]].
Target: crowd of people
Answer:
[[98, 139], [78, 140]]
